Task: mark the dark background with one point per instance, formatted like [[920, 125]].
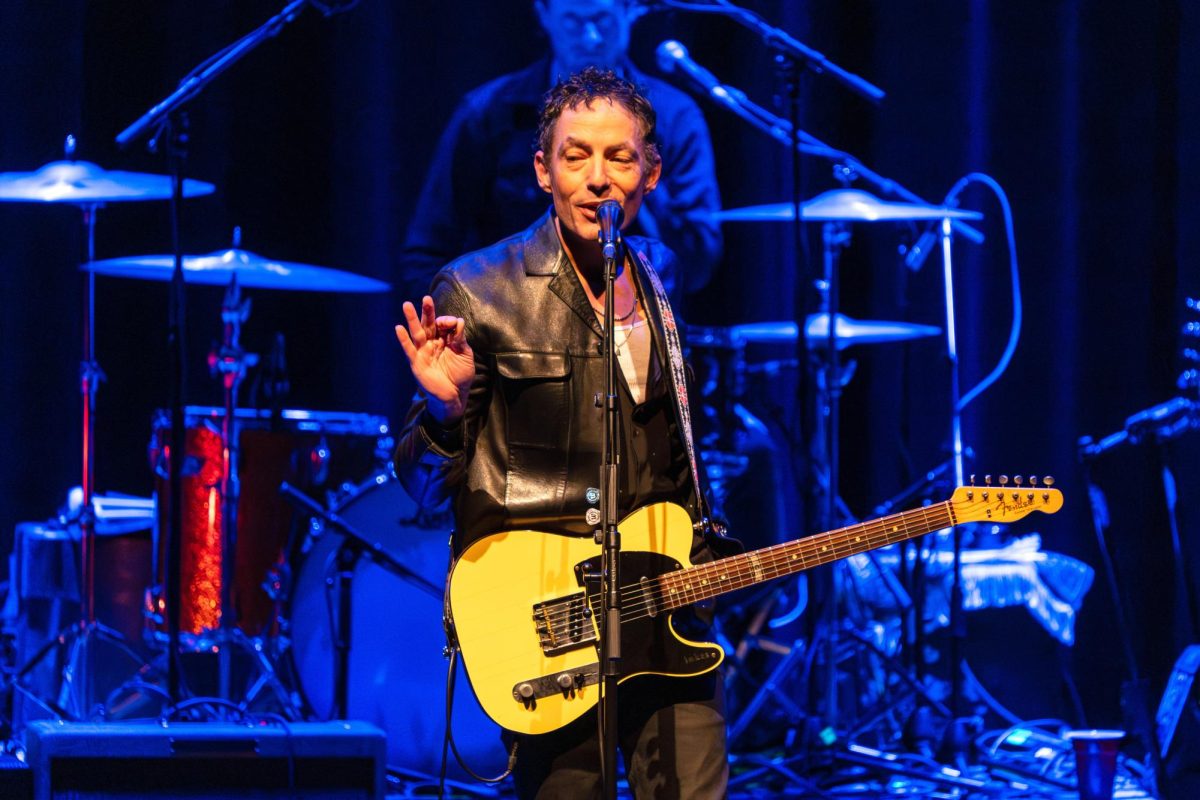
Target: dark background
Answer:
[[318, 142]]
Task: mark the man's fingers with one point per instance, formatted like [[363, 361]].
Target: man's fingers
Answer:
[[451, 330], [428, 317], [406, 343], [415, 331]]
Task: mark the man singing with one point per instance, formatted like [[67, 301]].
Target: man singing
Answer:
[[508, 355]]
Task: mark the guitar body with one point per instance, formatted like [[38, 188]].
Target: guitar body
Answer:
[[524, 623]]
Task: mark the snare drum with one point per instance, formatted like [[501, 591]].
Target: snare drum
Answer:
[[315, 451]]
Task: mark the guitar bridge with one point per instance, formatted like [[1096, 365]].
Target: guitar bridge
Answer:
[[564, 624]]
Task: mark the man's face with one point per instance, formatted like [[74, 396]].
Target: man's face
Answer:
[[586, 32], [597, 154]]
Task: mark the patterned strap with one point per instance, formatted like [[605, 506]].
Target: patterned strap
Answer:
[[678, 373]]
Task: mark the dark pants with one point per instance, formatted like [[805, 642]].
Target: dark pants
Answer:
[[672, 740]]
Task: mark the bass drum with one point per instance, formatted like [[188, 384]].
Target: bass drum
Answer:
[[397, 671]]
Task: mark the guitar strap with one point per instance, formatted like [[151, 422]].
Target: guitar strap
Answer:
[[678, 374]]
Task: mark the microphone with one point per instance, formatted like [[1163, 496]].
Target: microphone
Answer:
[[914, 259], [610, 215], [673, 55]]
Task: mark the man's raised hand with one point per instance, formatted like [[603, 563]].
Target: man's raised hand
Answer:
[[440, 358]]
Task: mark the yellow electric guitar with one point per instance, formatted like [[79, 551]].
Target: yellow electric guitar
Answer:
[[525, 603]]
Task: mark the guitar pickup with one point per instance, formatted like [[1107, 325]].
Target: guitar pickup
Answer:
[[560, 683]]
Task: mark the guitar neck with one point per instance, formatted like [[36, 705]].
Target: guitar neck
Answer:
[[737, 572]]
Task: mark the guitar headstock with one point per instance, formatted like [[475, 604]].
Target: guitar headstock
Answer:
[[1006, 502]]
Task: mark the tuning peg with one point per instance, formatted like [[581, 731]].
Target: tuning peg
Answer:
[[1048, 480], [972, 478], [1004, 480], [1033, 480], [987, 480], [1018, 480]]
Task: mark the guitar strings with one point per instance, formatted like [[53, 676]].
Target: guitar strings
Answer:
[[779, 558], [769, 559]]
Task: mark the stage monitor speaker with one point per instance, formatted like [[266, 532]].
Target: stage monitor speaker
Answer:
[[203, 760]]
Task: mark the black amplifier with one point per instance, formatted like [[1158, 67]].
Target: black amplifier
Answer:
[[202, 760]]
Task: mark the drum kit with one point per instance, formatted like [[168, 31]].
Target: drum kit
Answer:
[[257, 578]]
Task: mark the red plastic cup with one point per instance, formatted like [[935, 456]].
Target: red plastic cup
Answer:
[[1095, 761]]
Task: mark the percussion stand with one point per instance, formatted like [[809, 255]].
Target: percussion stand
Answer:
[[76, 697], [230, 362], [831, 376], [78, 674]]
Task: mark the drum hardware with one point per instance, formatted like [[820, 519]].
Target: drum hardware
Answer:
[[230, 363], [89, 187]]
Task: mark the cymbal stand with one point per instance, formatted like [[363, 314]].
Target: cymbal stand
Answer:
[[958, 625], [76, 697], [834, 237], [78, 673], [230, 363]]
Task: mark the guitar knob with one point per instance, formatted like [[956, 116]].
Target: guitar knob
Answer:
[[525, 690]]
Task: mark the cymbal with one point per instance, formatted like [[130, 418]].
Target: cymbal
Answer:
[[253, 272], [846, 205], [864, 331], [83, 183], [849, 332]]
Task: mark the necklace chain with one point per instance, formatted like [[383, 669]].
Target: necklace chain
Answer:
[[628, 314]]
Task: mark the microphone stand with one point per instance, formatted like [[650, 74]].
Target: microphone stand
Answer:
[[167, 119], [785, 44], [608, 536], [789, 135]]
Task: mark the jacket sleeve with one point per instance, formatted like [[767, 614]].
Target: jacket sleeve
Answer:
[[430, 459]]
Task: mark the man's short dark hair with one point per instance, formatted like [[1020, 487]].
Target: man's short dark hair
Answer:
[[587, 86]]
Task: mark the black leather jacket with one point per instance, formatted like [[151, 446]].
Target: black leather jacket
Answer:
[[528, 446]]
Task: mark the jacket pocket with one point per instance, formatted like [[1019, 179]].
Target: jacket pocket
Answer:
[[537, 397], [536, 393]]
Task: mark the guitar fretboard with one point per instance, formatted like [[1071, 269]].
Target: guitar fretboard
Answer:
[[678, 589]]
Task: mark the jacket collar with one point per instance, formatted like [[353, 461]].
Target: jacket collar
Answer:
[[544, 256]]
